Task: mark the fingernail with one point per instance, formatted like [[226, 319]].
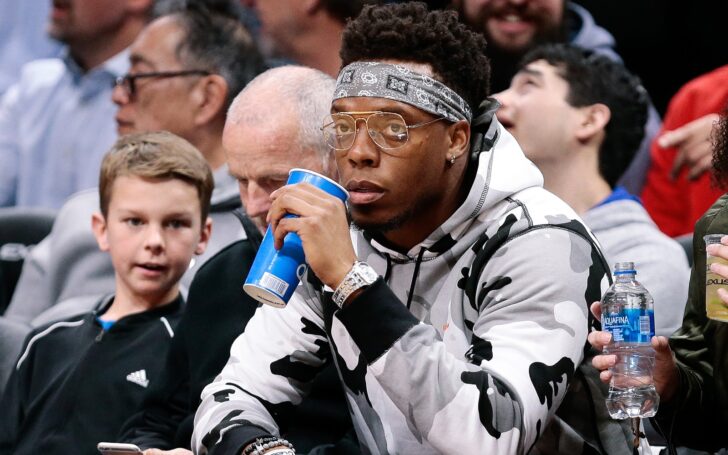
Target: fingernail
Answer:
[[712, 248]]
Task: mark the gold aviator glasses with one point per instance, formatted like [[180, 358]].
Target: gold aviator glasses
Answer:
[[388, 130]]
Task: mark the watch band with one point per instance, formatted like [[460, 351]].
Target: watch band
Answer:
[[360, 275]]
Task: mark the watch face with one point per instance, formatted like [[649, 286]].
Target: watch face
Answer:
[[367, 273]]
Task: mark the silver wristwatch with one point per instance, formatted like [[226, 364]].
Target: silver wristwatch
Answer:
[[360, 275]]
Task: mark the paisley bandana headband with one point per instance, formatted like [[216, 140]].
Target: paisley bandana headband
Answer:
[[395, 82]]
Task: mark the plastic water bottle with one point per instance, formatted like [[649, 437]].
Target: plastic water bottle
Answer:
[[628, 314]]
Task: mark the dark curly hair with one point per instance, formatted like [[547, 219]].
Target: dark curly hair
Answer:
[[719, 138], [595, 78], [409, 32]]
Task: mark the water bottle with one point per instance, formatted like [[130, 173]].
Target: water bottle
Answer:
[[628, 314]]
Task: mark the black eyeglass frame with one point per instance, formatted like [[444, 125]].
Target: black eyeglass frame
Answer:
[[128, 81]]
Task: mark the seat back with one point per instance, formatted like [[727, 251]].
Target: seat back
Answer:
[[20, 229]]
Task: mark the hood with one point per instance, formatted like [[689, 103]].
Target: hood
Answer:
[[616, 214], [225, 195], [585, 33], [502, 170]]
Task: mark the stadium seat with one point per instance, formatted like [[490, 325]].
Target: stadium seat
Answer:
[[20, 230]]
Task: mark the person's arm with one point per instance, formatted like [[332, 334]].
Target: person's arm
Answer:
[[13, 401], [665, 373], [696, 416], [268, 371], [690, 409], [529, 329], [165, 405], [673, 201], [667, 200], [692, 141]]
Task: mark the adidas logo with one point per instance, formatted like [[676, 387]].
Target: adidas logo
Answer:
[[138, 378]]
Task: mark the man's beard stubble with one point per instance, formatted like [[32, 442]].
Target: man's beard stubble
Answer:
[[505, 63], [380, 229]]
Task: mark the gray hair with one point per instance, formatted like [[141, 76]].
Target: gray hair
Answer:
[[305, 92], [215, 40]]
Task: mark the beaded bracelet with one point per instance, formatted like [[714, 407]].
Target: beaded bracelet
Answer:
[[253, 446], [280, 450], [262, 445]]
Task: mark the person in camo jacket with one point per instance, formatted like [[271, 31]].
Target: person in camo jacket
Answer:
[[456, 307]]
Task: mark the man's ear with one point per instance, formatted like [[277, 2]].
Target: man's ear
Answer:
[[209, 98], [593, 120], [205, 232], [98, 225], [459, 136]]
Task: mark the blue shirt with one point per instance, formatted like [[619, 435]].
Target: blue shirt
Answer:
[[105, 323], [23, 37], [56, 123], [618, 194]]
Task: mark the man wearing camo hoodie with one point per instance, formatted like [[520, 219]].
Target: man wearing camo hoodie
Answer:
[[455, 307]]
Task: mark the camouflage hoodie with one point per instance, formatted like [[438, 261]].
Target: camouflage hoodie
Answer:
[[433, 361]]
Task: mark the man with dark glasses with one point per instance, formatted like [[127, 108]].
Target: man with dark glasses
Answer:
[[128, 81], [456, 308]]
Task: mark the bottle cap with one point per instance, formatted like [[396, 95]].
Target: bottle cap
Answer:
[[624, 268]]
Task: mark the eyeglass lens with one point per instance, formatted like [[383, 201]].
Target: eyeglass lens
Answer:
[[126, 83], [388, 130]]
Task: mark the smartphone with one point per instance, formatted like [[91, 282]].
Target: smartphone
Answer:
[[117, 448]]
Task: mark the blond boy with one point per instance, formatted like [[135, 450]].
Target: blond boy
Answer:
[[77, 380]]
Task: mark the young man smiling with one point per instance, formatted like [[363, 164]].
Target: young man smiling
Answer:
[[451, 337]]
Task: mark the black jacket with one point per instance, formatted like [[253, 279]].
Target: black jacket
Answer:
[[76, 384], [216, 313]]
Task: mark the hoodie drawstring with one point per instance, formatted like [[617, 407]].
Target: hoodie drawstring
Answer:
[[414, 276], [388, 270]]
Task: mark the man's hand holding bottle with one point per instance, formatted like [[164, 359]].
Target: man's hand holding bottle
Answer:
[[665, 373]]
